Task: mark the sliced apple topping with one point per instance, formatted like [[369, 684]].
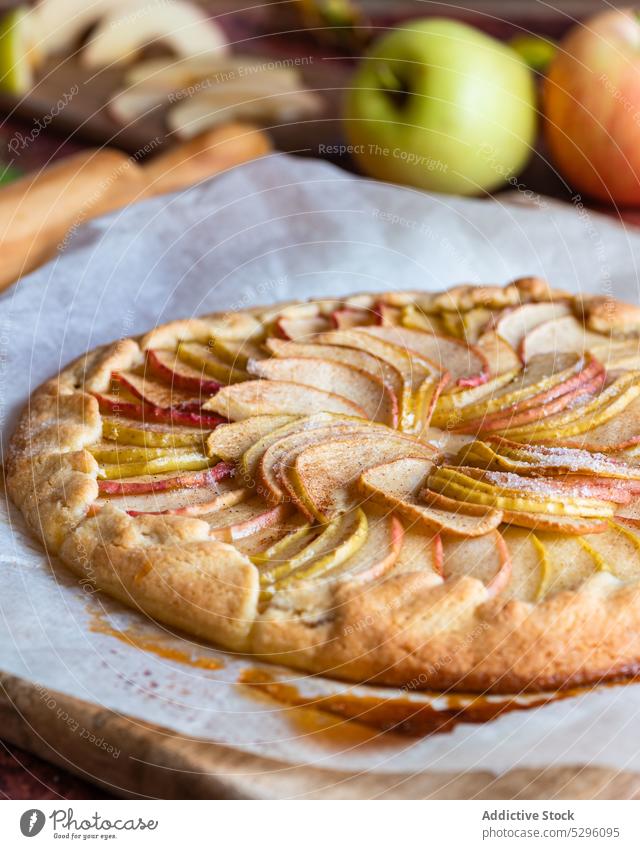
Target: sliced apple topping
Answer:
[[230, 441], [397, 485], [486, 558], [267, 397], [465, 364], [515, 324], [179, 502], [200, 356], [499, 355], [502, 455], [155, 393], [367, 391], [421, 380], [172, 460], [122, 402], [169, 480], [244, 519], [583, 498], [151, 434], [170, 368], [302, 329], [324, 476], [559, 334], [346, 318]]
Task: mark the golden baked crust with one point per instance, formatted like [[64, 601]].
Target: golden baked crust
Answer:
[[402, 597]]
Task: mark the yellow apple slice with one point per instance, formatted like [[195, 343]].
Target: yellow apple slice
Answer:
[[618, 353], [236, 352], [570, 525], [611, 402], [151, 435], [618, 433], [565, 563], [270, 397], [413, 318], [527, 498], [113, 452], [230, 441], [201, 356], [337, 541], [324, 476], [170, 461], [288, 546], [367, 391], [449, 405]]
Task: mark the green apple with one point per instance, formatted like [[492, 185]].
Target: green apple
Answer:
[[16, 71], [439, 105]]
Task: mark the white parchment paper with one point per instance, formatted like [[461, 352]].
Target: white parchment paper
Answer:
[[275, 229]]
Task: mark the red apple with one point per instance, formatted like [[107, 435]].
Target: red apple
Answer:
[[169, 480], [174, 371], [133, 408], [591, 99]]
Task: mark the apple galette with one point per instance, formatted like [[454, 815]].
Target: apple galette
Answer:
[[416, 489]]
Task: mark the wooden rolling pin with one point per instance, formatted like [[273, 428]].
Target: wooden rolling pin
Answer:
[[38, 211]]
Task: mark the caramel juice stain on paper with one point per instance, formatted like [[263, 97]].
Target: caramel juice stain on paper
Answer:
[[130, 636], [396, 714]]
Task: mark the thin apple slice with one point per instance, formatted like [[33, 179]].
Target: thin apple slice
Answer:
[[244, 519], [114, 452], [569, 563], [201, 356], [155, 393], [302, 329], [324, 476], [569, 525], [336, 542], [499, 355], [388, 315], [347, 356], [503, 455], [348, 317], [448, 406], [507, 491], [179, 502], [230, 441], [486, 558], [151, 435], [367, 391], [123, 404], [248, 466], [618, 353], [515, 324], [422, 381], [236, 352], [288, 546], [617, 433], [413, 318], [466, 365], [172, 460], [168, 366], [608, 404], [163, 482], [524, 415], [559, 334], [271, 477], [398, 483], [421, 550], [270, 397]]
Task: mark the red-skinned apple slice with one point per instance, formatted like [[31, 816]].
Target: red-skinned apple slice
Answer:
[[125, 432], [170, 480], [155, 393], [168, 366], [367, 391], [244, 519], [559, 334], [466, 364], [514, 325], [179, 502], [260, 397]]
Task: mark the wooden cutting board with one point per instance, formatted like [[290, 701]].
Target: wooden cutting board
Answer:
[[154, 762]]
